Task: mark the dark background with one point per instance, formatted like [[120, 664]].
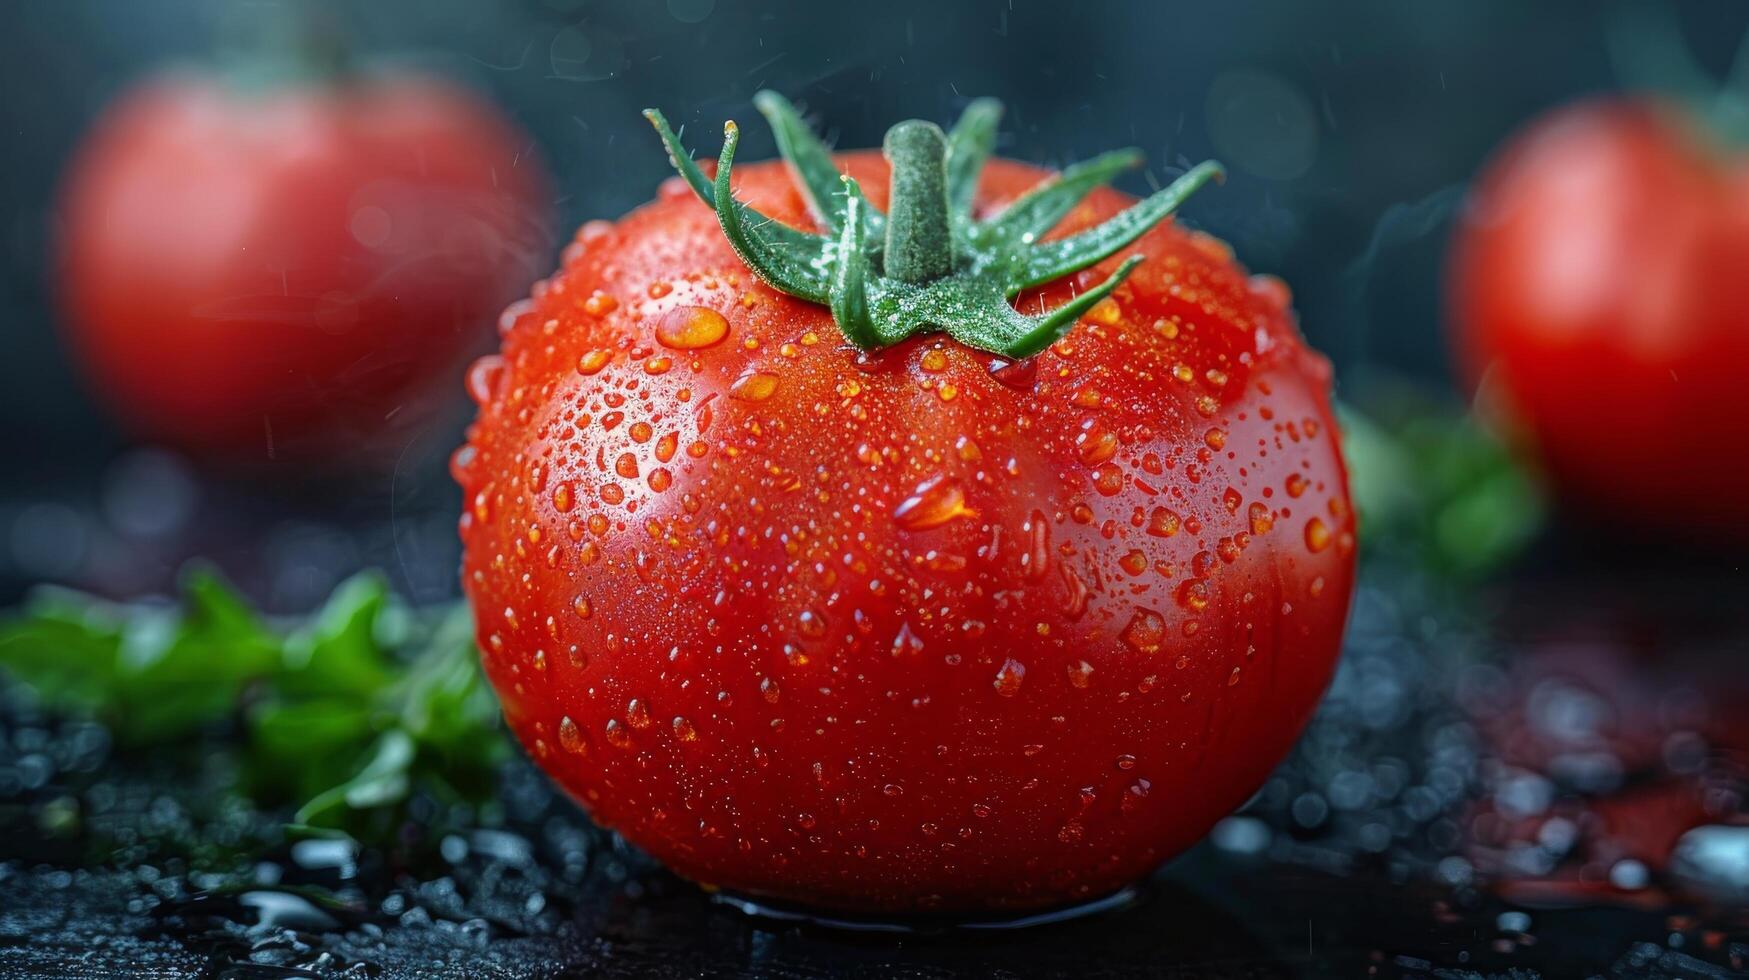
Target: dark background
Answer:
[[1349, 129]]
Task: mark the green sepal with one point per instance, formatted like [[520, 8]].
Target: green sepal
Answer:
[[958, 275]]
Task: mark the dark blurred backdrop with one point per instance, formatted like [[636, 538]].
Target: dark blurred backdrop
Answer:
[[1349, 128]]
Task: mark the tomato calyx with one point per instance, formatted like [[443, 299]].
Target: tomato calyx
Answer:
[[927, 264]]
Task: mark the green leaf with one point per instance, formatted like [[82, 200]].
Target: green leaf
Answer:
[[383, 781], [1437, 486], [340, 651]]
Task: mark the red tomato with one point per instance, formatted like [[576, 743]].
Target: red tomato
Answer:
[[1598, 285], [898, 632], [292, 271]]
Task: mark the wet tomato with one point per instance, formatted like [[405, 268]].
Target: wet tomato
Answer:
[[916, 629], [295, 271], [1598, 299]]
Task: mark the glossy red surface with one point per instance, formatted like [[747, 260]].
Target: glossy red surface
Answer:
[[898, 632], [1599, 296], [292, 272]]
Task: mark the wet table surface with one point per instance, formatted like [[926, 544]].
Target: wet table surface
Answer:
[[1544, 778]]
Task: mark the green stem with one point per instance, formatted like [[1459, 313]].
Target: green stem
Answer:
[[919, 241]]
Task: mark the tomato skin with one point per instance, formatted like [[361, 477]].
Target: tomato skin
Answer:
[[1597, 284], [296, 272], [889, 633]]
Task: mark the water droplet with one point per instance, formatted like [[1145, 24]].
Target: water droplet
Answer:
[[935, 502], [1146, 631], [1080, 674], [906, 642], [593, 361], [1296, 484], [754, 386], [1108, 479], [1037, 557], [637, 713], [1009, 678], [1194, 595], [570, 739], [1163, 523], [684, 731], [1317, 534], [485, 377], [1262, 520], [691, 328]]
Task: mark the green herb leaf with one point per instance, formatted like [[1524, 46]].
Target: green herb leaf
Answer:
[[1435, 483], [347, 713]]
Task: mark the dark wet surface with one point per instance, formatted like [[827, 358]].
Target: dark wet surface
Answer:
[[1546, 778]]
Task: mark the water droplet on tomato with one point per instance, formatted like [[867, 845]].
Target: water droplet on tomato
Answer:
[[570, 738], [1145, 632], [1163, 523], [1080, 674], [754, 386], [593, 361], [683, 730], [1009, 678], [935, 502], [691, 328], [485, 378]]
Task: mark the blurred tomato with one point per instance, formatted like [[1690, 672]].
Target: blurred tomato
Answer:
[[1600, 288], [294, 271]]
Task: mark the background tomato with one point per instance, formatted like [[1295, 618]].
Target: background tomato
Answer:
[[1598, 288], [295, 270], [905, 630]]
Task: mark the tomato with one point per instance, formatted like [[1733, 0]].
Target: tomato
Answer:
[[915, 629], [292, 272], [1597, 287]]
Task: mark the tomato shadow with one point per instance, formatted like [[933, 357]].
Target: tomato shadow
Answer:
[[667, 927]]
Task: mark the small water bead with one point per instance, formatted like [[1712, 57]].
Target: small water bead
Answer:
[[1296, 485], [1163, 523], [666, 445], [934, 360], [1096, 445], [935, 502], [1317, 534], [1145, 632], [1134, 562], [660, 480], [1080, 674], [1010, 677], [591, 362], [600, 304], [570, 738], [1108, 479], [691, 328], [1216, 438], [1194, 595], [754, 386], [617, 736], [626, 465], [1261, 518], [683, 730], [485, 378], [563, 500], [637, 713], [658, 365]]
